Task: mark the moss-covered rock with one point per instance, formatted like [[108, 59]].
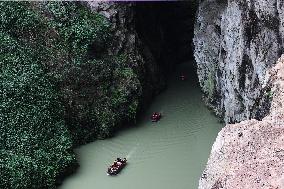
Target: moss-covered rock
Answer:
[[35, 144]]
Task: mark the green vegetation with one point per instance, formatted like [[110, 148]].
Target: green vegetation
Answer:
[[35, 144], [59, 88], [209, 85], [269, 93], [102, 95]]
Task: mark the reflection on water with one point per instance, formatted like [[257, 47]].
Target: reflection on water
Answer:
[[165, 155]]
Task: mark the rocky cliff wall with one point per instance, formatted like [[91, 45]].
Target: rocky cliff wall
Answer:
[[124, 82], [127, 41], [167, 29], [250, 154], [236, 42]]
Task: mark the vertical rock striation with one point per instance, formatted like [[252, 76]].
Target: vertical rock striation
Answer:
[[236, 42], [250, 154]]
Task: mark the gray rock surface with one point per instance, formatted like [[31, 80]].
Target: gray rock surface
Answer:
[[250, 154], [236, 42]]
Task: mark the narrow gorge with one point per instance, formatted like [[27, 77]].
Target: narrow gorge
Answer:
[[79, 81]]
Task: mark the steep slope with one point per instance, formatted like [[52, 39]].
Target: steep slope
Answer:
[[236, 42], [69, 75], [249, 155]]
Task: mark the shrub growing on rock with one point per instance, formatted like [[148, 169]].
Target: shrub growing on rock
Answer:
[[35, 144], [99, 91]]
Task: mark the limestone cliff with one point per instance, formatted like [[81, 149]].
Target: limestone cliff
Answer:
[[249, 155], [236, 42]]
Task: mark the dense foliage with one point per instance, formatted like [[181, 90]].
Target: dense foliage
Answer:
[[35, 144], [99, 91], [99, 95], [58, 87]]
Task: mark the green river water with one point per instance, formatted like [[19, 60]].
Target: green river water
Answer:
[[170, 154]]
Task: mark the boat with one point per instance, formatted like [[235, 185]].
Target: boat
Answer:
[[182, 77], [117, 166], [156, 117]]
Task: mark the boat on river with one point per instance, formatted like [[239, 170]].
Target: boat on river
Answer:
[[156, 117], [183, 77], [117, 166]]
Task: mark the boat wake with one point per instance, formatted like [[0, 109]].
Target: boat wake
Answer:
[[130, 154]]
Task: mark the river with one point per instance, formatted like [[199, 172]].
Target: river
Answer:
[[165, 155]]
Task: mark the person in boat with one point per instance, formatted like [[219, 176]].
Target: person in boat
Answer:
[[156, 116], [115, 164]]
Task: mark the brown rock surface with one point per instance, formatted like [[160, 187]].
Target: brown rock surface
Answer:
[[250, 154]]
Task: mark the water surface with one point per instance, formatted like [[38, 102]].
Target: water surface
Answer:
[[170, 154]]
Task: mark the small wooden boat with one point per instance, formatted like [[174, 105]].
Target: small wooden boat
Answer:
[[117, 166], [156, 117], [183, 77]]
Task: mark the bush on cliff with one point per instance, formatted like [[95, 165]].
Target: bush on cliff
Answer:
[[35, 144], [99, 95], [99, 91]]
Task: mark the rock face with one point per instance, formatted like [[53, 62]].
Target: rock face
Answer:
[[127, 41], [166, 28], [250, 154], [103, 96], [236, 42]]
